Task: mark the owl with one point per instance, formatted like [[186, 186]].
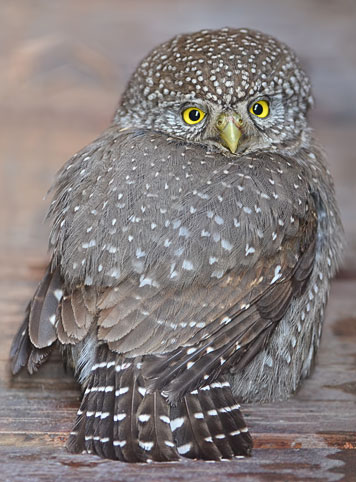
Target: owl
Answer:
[[192, 248]]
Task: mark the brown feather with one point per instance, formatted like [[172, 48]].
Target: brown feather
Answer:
[[21, 347], [154, 432], [75, 328], [43, 310], [82, 317]]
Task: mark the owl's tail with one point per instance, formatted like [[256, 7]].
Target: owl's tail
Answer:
[[119, 419]]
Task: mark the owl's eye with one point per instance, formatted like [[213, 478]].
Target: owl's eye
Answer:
[[260, 108], [193, 115]]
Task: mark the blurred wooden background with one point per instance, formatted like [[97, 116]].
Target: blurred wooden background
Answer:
[[63, 65]]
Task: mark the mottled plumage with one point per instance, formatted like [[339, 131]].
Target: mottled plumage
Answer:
[[191, 256]]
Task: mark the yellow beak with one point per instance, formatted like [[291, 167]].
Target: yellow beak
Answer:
[[229, 126]]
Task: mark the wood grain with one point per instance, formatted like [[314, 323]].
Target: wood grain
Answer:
[[63, 66]]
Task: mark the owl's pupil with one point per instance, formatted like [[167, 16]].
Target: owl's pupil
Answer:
[[194, 115], [257, 109]]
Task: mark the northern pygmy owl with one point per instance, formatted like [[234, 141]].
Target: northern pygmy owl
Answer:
[[192, 248]]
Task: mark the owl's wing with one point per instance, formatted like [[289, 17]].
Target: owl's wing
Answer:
[[240, 327], [189, 335], [202, 332]]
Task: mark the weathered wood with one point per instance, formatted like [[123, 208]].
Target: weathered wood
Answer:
[[62, 69]]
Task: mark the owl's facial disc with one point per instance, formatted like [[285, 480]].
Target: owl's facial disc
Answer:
[[229, 125]]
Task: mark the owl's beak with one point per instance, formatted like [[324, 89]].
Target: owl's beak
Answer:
[[229, 125]]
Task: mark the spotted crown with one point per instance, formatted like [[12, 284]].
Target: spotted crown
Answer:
[[224, 66]]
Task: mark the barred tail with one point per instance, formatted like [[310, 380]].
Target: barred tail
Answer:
[[208, 424], [120, 419]]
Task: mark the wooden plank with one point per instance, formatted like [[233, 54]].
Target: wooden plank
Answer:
[[301, 465], [62, 70]]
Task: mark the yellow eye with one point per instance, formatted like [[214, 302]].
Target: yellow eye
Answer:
[[260, 108], [193, 115]]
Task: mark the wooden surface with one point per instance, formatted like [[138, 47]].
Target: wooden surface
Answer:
[[63, 66]]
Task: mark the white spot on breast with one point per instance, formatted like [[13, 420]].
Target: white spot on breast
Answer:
[[145, 281], [176, 223], [140, 253], [114, 273], [216, 237], [183, 231], [90, 244], [226, 245], [249, 250]]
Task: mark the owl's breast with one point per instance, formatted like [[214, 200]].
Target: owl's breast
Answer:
[[141, 204]]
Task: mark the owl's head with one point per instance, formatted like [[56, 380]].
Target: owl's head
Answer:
[[235, 90]]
